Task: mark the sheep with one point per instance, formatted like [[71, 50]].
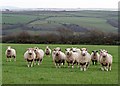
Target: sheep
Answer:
[[95, 57], [58, 57], [72, 56], [84, 59], [39, 55], [105, 60], [10, 52], [48, 51], [29, 56]]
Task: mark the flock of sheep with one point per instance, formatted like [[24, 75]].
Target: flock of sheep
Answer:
[[72, 56]]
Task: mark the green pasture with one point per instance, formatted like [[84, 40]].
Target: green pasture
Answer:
[[18, 72]]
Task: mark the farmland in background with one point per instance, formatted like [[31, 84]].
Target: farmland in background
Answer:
[[40, 22]]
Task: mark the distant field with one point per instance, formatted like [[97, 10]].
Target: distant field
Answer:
[[90, 23], [44, 20], [18, 72], [16, 18]]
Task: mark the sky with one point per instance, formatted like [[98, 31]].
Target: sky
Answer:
[[60, 3]]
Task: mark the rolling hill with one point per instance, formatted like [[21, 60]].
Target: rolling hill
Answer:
[[37, 22]]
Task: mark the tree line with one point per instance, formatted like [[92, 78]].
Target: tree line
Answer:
[[65, 36]]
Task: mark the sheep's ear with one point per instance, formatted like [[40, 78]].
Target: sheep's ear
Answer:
[[81, 49], [106, 51], [71, 49], [54, 49], [65, 49], [86, 49]]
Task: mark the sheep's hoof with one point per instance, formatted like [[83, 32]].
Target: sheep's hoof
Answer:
[[84, 69], [102, 68], [110, 69], [106, 69], [31, 65], [72, 66], [61, 63], [38, 64], [28, 66], [81, 69]]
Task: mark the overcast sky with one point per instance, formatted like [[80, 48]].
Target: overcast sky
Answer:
[[61, 3]]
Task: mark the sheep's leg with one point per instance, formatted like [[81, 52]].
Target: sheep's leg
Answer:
[[10, 58], [81, 68], [102, 68], [59, 65], [28, 64], [84, 69], [93, 62], [63, 62], [73, 65], [32, 63], [106, 68], [56, 65], [110, 67], [7, 58], [14, 58], [87, 64], [96, 62], [77, 65], [68, 65]]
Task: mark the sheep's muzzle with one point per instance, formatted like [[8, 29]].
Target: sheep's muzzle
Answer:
[[57, 54], [68, 53], [30, 53]]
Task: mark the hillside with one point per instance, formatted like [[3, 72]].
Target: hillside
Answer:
[[40, 22]]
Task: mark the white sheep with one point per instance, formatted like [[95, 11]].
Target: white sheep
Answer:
[[95, 57], [29, 56], [48, 51], [10, 52], [58, 57], [105, 60], [72, 56], [84, 59], [39, 55]]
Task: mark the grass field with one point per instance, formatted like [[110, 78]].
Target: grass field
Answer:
[[18, 72]]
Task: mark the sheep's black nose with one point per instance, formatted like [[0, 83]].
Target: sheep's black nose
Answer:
[[9, 50], [104, 56], [57, 54], [67, 53], [83, 54], [30, 53]]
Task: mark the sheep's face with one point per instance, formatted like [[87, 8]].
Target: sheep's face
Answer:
[[94, 52], [104, 53], [36, 49], [30, 51], [73, 49], [47, 48], [57, 51], [8, 49], [84, 51], [68, 51]]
